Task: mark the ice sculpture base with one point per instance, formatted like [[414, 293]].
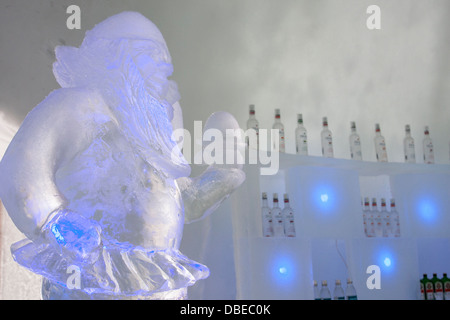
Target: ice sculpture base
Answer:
[[54, 291]]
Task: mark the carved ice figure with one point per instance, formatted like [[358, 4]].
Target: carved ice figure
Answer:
[[94, 180]]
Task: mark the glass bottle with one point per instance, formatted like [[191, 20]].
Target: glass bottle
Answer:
[[266, 217], [395, 219], [380, 145], [278, 125], [437, 287], [288, 216], [355, 143], [446, 285], [324, 291], [428, 149], [429, 293], [350, 291], [316, 291], [277, 216], [338, 293], [252, 124], [301, 137], [408, 146], [327, 140]]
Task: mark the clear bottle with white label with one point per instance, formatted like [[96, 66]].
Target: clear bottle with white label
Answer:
[[365, 214], [253, 124], [266, 214], [428, 149], [408, 146], [386, 219], [327, 140], [377, 217], [301, 137], [277, 218], [371, 215], [380, 145], [355, 143], [278, 125], [288, 216], [395, 218]]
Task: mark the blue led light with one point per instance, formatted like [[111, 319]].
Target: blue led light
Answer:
[[283, 270], [386, 260], [324, 198]]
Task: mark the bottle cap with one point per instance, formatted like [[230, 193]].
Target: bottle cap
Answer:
[[324, 282], [252, 109], [392, 202], [349, 281], [264, 195], [407, 128], [299, 118], [426, 130], [353, 125], [275, 197], [277, 113], [383, 202], [325, 121], [338, 282], [286, 197], [377, 127]]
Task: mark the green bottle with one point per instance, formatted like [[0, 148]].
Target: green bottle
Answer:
[[422, 288], [446, 285], [429, 293], [437, 287]]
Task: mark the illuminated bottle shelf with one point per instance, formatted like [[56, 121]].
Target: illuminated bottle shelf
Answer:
[[330, 243]]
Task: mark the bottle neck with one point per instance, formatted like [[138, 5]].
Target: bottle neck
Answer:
[[286, 204]]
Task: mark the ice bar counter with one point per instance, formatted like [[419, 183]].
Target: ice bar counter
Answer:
[[330, 242]]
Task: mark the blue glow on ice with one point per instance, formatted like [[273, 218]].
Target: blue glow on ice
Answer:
[[58, 234], [283, 270], [386, 260], [324, 198], [428, 211]]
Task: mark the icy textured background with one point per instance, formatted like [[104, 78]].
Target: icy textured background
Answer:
[[311, 57]]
